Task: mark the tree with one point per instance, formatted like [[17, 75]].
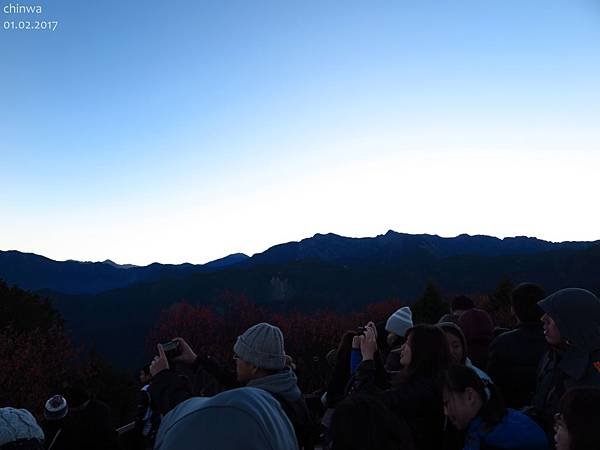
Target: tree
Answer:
[[499, 305], [34, 349], [430, 306]]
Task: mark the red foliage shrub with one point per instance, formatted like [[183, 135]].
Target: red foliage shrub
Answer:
[[308, 337]]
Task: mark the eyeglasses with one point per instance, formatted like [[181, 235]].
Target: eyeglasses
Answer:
[[559, 421]]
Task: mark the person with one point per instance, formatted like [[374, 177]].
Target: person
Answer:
[[459, 305], [477, 407], [478, 329], [457, 344], [414, 394], [571, 323], [362, 422], [19, 430], [260, 359], [514, 356], [54, 425], [396, 326], [577, 425], [243, 418], [147, 420], [345, 366], [338, 382], [90, 422]]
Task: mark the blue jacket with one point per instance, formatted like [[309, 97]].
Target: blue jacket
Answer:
[[516, 432], [244, 418]]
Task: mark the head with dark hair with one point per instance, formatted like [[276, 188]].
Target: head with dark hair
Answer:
[[524, 301], [364, 423], [467, 396], [577, 427], [344, 349], [461, 303], [76, 394], [457, 343], [144, 374], [425, 352], [336, 386]]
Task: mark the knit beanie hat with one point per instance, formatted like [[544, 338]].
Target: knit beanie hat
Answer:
[[18, 424], [56, 408], [262, 346], [400, 321]]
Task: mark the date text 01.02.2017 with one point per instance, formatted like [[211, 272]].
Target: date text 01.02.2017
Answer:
[[42, 25]]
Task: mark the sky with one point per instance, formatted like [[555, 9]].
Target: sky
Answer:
[[187, 130]]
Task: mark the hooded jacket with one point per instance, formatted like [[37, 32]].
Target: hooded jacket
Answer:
[[283, 386], [245, 418], [169, 389], [576, 313], [19, 429]]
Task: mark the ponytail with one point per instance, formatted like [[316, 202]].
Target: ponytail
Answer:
[[459, 378]]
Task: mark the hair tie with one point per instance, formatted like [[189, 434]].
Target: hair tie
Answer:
[[488, 394], [486, 388]]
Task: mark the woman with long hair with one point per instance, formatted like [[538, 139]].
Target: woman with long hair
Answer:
[[415, 393]]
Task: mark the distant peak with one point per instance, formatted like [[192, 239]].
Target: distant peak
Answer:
[[118, 266]]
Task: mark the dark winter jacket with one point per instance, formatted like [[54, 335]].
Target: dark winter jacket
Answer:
[[516, 431], [513, 361], [576, 313], [283, 386], [418, 402], [245, 418], [90, 427]]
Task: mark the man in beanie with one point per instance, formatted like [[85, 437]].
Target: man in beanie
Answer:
[[19, 430], [396, 327], [89, 423], [260, 360], [571, 323]]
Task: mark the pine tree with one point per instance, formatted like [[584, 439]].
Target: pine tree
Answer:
[[430, 306], [499, 305]]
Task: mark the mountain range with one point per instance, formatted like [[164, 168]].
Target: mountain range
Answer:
[[102, 302]]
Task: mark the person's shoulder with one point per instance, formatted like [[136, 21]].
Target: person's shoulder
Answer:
[[505, 340]]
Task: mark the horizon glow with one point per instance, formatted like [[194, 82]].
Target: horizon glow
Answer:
[[143, 132]]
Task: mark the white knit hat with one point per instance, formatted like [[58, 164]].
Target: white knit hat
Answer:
[[400, 321], [262, 345], [56, 408]]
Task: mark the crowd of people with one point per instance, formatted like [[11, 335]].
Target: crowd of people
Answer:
[[458, 384]]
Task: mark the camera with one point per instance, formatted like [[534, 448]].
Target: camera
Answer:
[[171, 349], [360, 331]]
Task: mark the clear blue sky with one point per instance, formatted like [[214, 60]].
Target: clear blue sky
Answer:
[[184, 130]]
